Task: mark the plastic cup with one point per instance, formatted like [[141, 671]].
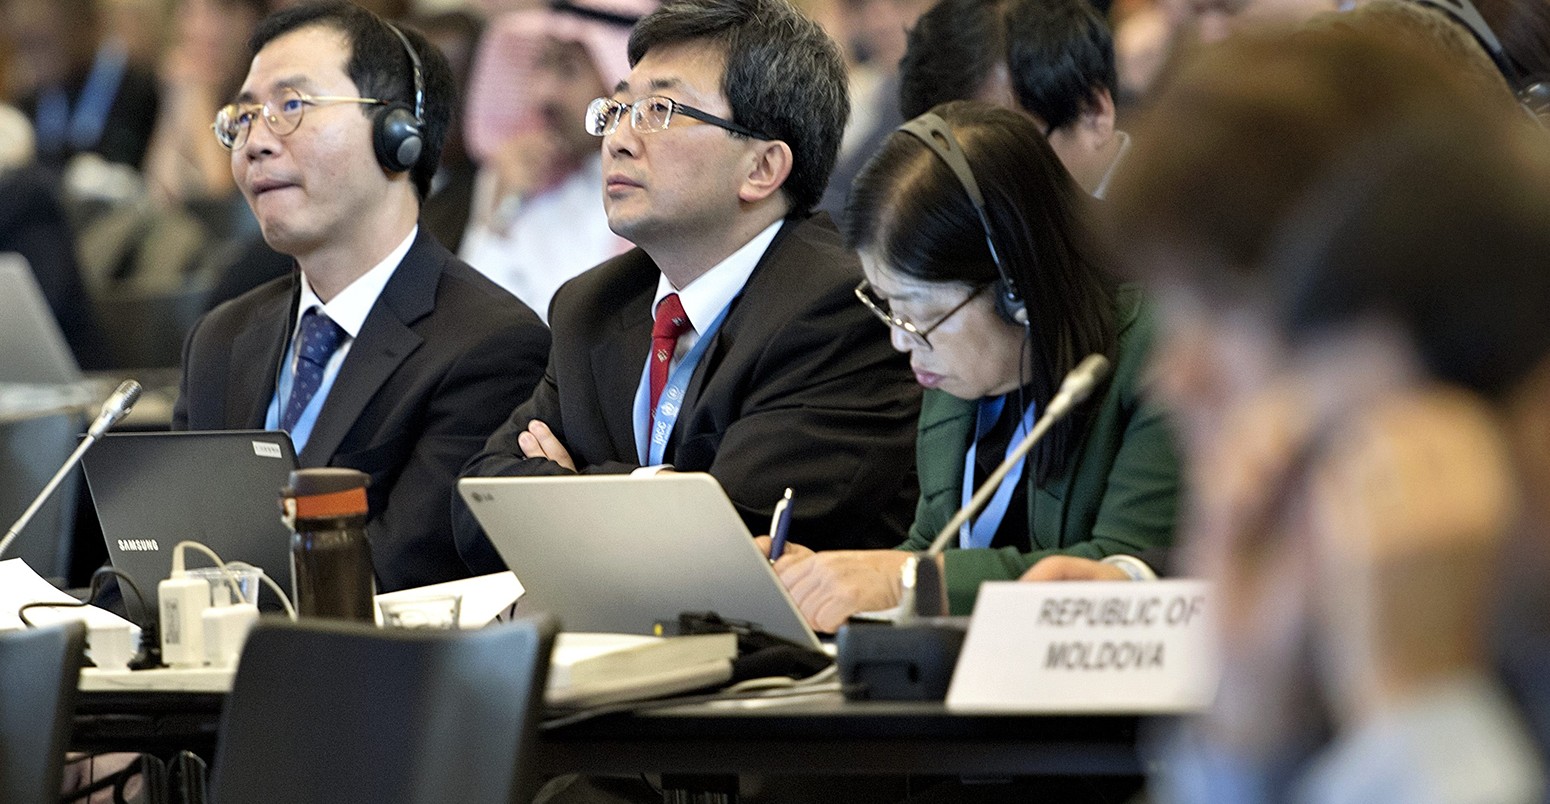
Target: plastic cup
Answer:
[[246, 577]]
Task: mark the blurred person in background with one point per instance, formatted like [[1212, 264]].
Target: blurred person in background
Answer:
[[873, 35], [1349, 276], [537, 217], [142, 27], [1054, 59], [76, 83], [200, 69], [33, 224], [456, 34]]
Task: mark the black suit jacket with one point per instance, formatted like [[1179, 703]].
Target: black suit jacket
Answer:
[[440, 358], [799, 387]]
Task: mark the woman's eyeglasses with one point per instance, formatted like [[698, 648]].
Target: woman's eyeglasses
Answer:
[[881, 308]]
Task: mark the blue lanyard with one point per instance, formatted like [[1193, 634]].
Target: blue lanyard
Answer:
[[668, 407], [984, 528]]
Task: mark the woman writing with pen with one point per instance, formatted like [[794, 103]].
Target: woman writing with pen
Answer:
[[995, 301]]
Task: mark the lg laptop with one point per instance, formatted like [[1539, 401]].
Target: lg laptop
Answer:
[[32, 347], [222, 488], [616, 553]]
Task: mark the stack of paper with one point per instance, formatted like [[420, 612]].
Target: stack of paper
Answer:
[[595, 669]]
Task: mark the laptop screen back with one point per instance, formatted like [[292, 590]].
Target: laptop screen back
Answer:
[[32, 348], [153, 490], [616, 553]]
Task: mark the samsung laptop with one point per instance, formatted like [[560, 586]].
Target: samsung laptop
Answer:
[[617, 553], [32, 347], [222, 488]]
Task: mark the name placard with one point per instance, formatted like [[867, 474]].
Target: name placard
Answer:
[[1088, 646]]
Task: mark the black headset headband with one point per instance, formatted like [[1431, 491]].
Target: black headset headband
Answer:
[[938, 136], [419, 79]]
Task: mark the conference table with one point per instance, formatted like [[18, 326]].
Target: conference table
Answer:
[[822, 734]]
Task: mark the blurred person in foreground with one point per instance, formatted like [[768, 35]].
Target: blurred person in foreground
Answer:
[[537, 215], [1427, 28], [994, 311], [1350, 283]]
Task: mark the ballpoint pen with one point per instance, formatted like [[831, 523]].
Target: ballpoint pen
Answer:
[[780, 526]]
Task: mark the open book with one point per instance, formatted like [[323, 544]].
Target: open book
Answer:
[[590, 669]]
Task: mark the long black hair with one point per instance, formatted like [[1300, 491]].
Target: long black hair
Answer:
[[909, 210]]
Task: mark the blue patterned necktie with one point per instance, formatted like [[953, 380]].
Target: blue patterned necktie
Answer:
[[320, 336]]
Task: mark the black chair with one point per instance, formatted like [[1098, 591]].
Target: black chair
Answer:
[[340, 712], [40, 671]]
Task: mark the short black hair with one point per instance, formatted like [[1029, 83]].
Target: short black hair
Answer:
[[380, 69], [784, 77], [1059, 54], [909, 209]]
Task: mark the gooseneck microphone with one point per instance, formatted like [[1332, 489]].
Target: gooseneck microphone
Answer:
[[1074, 389], [115, 408]]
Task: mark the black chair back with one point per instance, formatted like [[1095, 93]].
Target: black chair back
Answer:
[[328, 711], [40, 671]]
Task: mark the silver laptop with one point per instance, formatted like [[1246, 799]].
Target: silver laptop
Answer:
[[32, 347], [221, 488], [617, 553]]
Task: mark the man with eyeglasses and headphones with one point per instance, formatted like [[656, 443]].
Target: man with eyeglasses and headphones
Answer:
[[729, 341], [382, 352]]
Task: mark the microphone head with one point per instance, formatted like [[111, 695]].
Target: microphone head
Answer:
[[123, 399], [1084, 378], [116, 407]]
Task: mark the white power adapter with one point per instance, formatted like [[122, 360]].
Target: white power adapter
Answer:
[[183, 603], [193, 632], [225, 629]]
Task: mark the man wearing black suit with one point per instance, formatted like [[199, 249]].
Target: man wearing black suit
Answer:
[[730, 340], [383, 352]]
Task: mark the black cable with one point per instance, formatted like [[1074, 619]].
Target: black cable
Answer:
[[97, 580]]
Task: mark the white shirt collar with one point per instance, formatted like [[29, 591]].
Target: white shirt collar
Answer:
[[712, 291], [350, 308]]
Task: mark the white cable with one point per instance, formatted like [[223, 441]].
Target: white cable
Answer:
[[229, 576]]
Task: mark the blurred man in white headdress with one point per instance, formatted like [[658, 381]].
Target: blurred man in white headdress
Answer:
[[537, 217]]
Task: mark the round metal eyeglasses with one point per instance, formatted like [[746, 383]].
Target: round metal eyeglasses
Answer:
[[281, 113]]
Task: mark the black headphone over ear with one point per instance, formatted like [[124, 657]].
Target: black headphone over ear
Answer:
[[935, 133], [395, 129], [1533, 92]]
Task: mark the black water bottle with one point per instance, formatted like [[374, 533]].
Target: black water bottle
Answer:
[[330, 558]]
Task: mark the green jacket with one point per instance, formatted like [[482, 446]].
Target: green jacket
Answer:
[[1117, 495]]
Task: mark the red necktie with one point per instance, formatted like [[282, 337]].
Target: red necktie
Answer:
[[672, 322]]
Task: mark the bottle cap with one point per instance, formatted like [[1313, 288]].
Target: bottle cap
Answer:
[[325, 492]]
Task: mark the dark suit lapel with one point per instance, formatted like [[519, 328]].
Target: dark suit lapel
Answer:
[[384, 342], [262, 344], [617, 363]]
